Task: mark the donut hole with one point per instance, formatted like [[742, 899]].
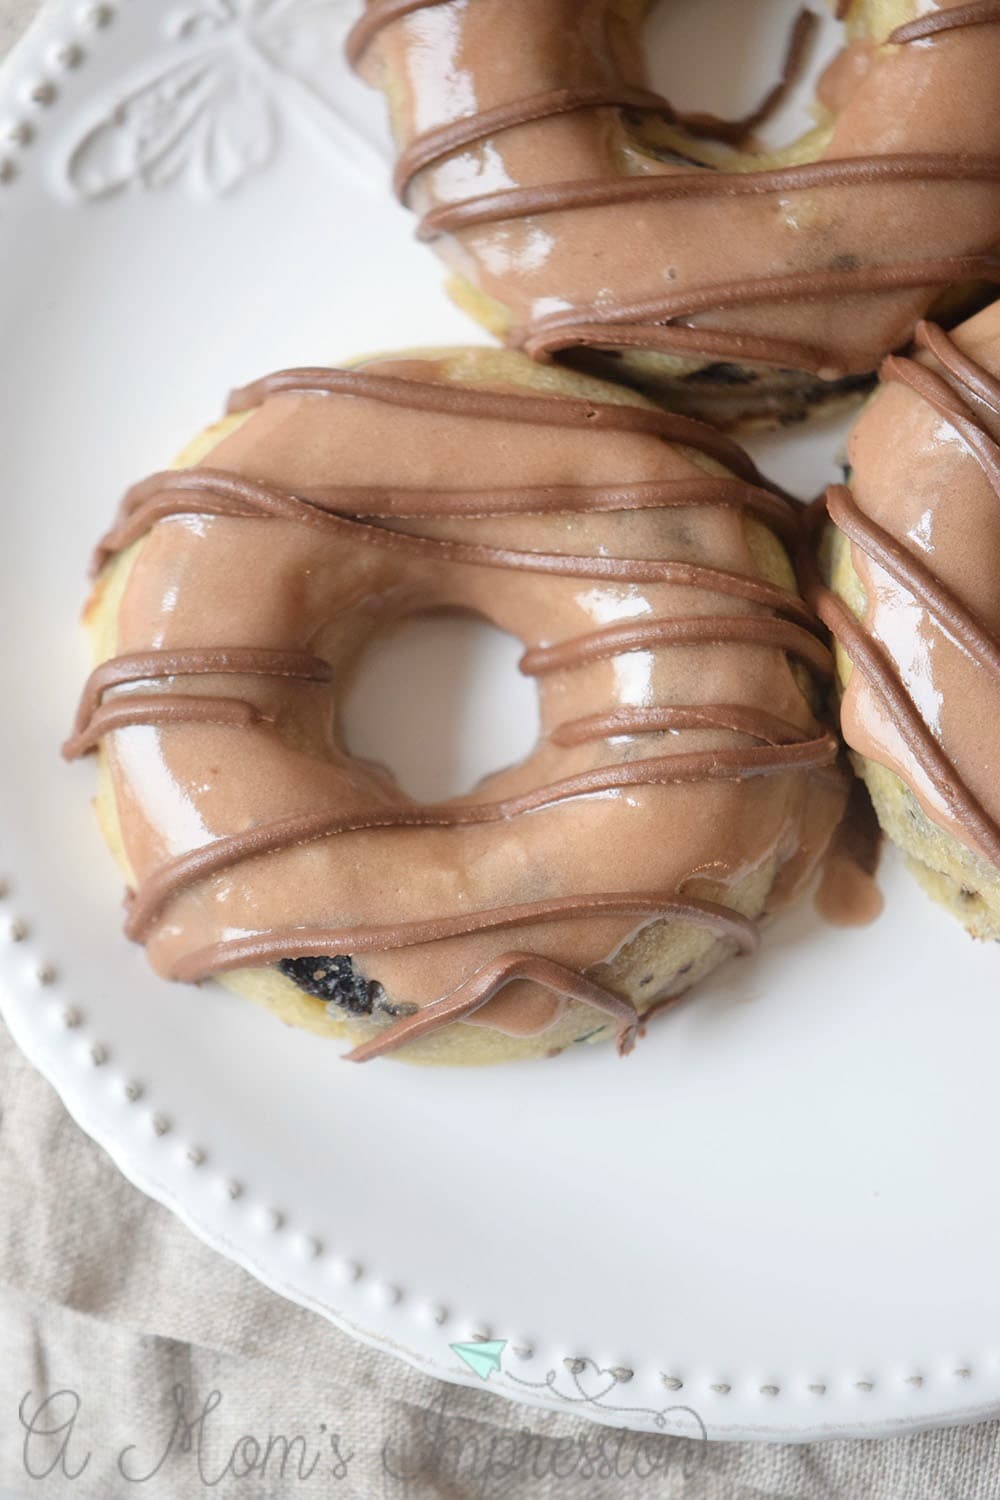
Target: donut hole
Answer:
[[721, 57], [438, 701]]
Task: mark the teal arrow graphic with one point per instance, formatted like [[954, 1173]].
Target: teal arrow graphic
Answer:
[[482, 1358]]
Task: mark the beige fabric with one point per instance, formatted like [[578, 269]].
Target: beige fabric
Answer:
[[107, 1304], [105, 1296]]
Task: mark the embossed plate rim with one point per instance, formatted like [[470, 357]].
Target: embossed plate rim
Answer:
[[59, 82]]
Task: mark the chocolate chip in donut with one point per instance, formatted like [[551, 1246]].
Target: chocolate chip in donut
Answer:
[[334, 980]]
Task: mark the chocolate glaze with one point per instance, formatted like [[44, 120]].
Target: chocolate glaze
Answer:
[[365, 525], [757, 723], [146, 666], [139, 709], [707, 914], [207, 491], [541, 411], [920, 581], [668, 770], [381, 14], [770, 290], [488, 982], [432, 145], [926, 656], [848, 894], [614, 639], [562, 197], [985, 13]]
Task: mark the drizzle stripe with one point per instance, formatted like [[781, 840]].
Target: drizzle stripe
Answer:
[[591, 328], [947, 403], [796, 285], [300, 942], [733, 716], [983, 13], [721, 344], [281, 505], [541, 411], [965, 370], [872, 661], [946, 398], [781, 748], [431, 145], [142, 666], [602, 192], [163, 710], [371, 22], [286, 833], [486, 983], [616, 640], [207, 491], [901, 565]]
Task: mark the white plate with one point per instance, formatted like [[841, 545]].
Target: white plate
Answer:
[[781, 1213]]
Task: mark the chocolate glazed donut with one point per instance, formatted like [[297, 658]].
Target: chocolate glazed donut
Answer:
[[683, 786], [915, 610], [583, 217]]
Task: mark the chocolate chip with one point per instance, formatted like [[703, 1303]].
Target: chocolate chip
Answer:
[[720, 373], [335, 981]]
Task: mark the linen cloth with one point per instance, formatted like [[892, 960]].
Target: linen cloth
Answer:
[[136, 1361]]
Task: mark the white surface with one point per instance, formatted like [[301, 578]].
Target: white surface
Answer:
[[784, 1200], [721, 57], [423, 702]]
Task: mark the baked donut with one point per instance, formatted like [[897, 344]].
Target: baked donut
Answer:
[[582, 217], [914, 563], [683, 785]]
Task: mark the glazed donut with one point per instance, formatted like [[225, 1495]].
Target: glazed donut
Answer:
[[915, 610], [683, 785], [582, 217]]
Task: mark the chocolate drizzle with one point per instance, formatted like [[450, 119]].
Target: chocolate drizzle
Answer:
[[602, 327], [776, 747], [664, 323], [948, 393], [541, 411], [432, 145], [147, 666], [983, 13], [607, 192], [668, 770], [381, 13]]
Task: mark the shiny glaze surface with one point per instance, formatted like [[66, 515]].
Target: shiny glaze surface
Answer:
[[585, 238], [923, 515], [678, 754]]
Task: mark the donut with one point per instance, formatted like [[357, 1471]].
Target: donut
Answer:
[[683, 787], [912, 560], [583, 218]]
